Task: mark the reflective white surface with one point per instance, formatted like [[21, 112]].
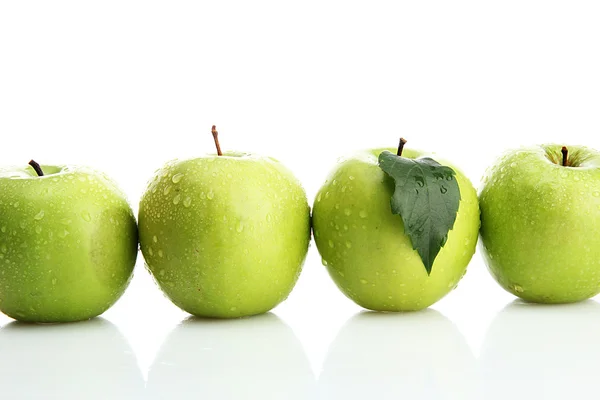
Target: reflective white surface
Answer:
[[542, 352], [85, 360]]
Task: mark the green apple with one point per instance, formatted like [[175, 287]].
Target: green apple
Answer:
[[540, 225], [68, 243], [225, 235], [258, 358], [90, 360], [364, 245]]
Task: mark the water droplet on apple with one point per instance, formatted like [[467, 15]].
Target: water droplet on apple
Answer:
[[154, 239], [331, 243], [176, 178], [596, 194], [167, 190], [443, 189], [324, 262], [348, 244], [161, 272], [347, 211], [351, 177], [63, 234], [176, 199], [363, 214], [319, 197], [240, 227], [233, 308], [518, 289], [160, 253], [16, 204], [38, 229], [3, 248], [3, 229], [210, 195], [576, 178], [345, 227], [150, 251], [364, 281], [39, 215], [54, 281], [187, 202], [268, 217]]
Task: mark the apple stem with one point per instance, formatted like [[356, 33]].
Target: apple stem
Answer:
[[216, 137], [565, 153], [36, 167], [401, 146]]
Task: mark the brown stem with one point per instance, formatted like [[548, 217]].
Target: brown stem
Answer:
[[401, 146], [565, 153], [216, 137], [37, 168]]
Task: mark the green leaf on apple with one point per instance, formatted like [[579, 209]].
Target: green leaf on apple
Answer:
[[426, 196]]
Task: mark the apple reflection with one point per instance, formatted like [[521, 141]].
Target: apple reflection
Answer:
[[85, 360], [418, 355], [250, 358], [545, 352]]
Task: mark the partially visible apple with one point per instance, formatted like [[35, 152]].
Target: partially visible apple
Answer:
[[540, 226], [68, 243], [365, 248], [225, 235]]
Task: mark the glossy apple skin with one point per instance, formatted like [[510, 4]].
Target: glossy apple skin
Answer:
[[365, 249], [225, 236], [68, 244], [541, 224]]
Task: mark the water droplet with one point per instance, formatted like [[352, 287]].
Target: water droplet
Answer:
[[347, 211], [86, 216], [233, 308], [154, 239], [3, 229], [268, 217], [348, 244], [363, 214], [334, 182], [324, 262], [38, 229], [518, 289], [240, 227], [160, 253], [176, 178], [16, 204], [449, 177], [364, 281], [187, 202], [161, 272], [596, 194], [351, 177], [3, 248], [443, 189], [167, 190], [326, 195], [319, 197], [331, 244], [54, 281], [176, 199], [64, 234], [210, 195], [576, 177], [419, 182], [150, 251], [39, 215]]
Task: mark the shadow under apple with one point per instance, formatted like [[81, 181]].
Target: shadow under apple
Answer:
[[84, 360], [534, 351], [249, 358], [419, 355]]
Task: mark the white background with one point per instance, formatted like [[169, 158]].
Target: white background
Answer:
[[125, 86]]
